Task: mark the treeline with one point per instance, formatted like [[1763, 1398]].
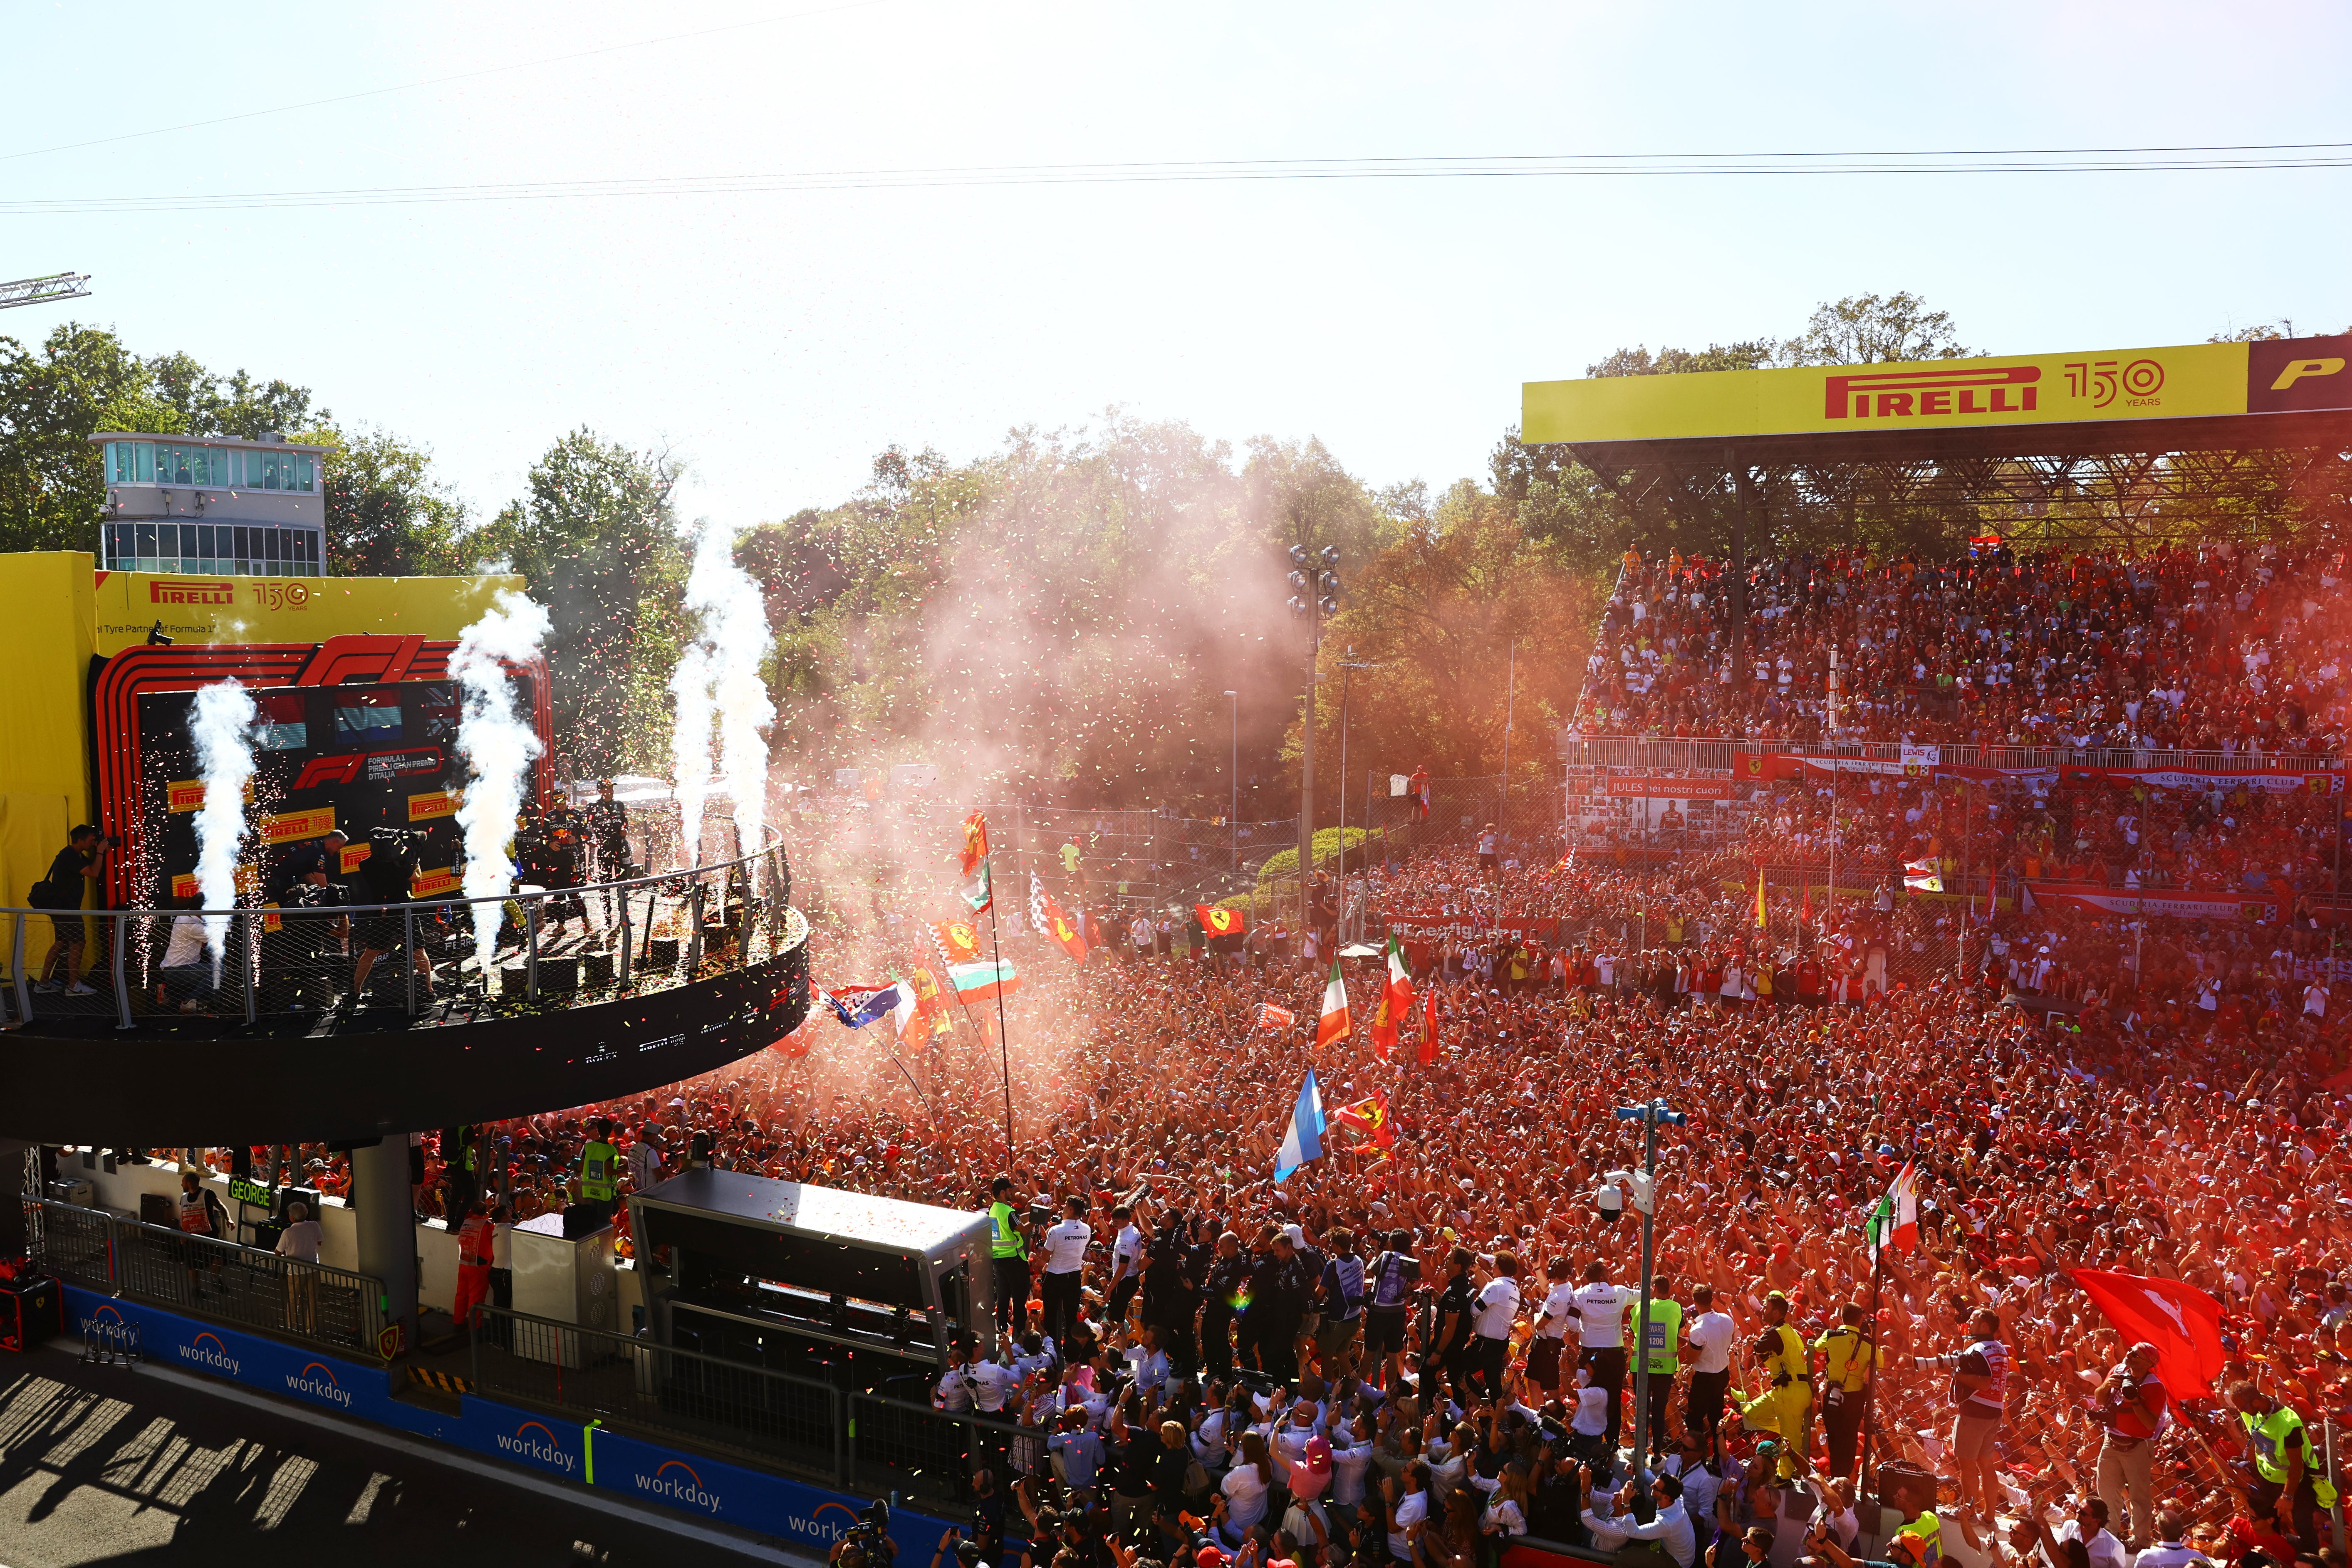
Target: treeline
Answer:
[[1064, 616], [594, 534]]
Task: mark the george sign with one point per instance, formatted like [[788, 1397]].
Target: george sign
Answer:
[[2194, 380], [242, 1191], [1658, 787]]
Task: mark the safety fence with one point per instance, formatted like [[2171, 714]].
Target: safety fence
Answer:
[[333, 1309], [311, 951], [863, 1442]]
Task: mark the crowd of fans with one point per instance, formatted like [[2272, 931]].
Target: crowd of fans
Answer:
[[2213, 647], [1383, 1358]]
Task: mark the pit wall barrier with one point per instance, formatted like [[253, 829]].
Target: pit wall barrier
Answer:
[[793, 1512]]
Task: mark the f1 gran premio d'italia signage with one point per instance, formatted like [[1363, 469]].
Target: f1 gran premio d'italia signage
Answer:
[[2285, 375]]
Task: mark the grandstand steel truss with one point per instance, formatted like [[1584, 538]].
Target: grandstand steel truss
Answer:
[[2121, 486]]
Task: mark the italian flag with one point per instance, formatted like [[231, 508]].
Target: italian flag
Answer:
[[978, 982], [1333, 1024], [1896, 1221]]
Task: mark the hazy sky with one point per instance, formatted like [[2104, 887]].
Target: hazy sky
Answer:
[[778, 340]]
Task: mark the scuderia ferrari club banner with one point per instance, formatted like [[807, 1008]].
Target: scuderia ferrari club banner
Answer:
[[2132, 904]]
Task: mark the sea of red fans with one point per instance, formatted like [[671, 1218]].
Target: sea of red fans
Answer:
[[2159, 1097], [2214, 647]]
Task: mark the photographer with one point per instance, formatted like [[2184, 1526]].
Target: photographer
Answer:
[[867, 1543], [68, 887], [2132, 1406]]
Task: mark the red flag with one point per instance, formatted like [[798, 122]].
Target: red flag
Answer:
[[959, 940], [1429, 1031], [1057, 925], [975, 841], [1272, 1017], [1368, 1116], [2183, 1322], [1219, 922]]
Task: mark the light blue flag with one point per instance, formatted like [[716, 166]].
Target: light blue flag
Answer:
[[1303, 1141]]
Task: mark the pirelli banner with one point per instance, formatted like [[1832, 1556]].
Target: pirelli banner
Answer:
[[2286, 375]]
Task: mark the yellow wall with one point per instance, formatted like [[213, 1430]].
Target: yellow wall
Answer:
[[199, 610], [60, 611]]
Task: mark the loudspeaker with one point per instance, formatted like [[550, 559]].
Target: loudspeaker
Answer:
[[1905, 1488]]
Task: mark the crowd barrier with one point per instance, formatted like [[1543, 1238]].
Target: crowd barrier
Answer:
[[1717, 756], [799, 1513], [333, 1309], [869, 1444]]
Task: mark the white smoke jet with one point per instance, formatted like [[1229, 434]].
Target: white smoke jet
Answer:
[[496, 741], [689, 747], [222, 727], [721, 671]]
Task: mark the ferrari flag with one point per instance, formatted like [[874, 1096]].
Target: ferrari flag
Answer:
[[1058, 926], [975, 841], [1272, 1017], [1221, 922], [958, 941], [1368, 1116]]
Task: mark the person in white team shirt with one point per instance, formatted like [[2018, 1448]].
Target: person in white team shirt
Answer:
[[1126, 1263], [1553, 1321], [1600, 1309], [1707, 1338], [1065, 1262], [1705, 1345], [1490, 1321]]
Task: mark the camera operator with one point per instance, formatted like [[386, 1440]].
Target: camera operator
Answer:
[[867, 1543], [72, 876]]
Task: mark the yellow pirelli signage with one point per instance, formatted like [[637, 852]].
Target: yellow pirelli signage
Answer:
[[188, 795], [291, 827], [2196, 381], [432, 805]]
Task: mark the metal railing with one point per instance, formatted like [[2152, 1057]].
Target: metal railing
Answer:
[[638, 1387], [219, 1281], [311, 955], [1646, 753], [863, 1442]]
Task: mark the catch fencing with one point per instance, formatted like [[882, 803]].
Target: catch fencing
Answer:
[[859, 1442], [244, 1286]]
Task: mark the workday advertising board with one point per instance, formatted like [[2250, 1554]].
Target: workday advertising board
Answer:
[[797, 1513]]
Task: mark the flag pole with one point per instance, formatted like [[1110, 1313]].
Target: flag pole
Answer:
[[1003, 1045], [1875, 1231]]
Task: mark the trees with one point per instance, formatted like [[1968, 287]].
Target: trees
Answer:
[[597, 542], [386, 515], [52, 400], [1871, 328]]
